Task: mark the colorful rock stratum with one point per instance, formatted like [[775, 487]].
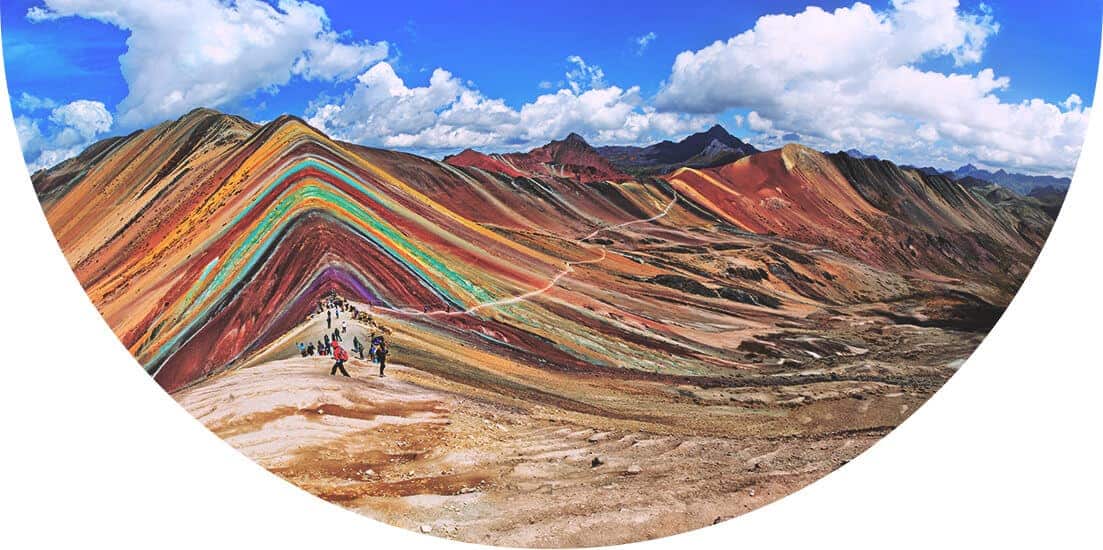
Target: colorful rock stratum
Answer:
[[586, 350]]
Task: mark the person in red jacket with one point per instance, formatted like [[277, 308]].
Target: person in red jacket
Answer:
[[340, 355]]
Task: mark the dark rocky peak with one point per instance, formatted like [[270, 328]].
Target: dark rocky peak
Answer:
[[575, 139], [720, 133]]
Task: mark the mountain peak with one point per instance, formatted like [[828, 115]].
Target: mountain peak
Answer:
[[471, 158], [718, 131], [711, 147], [575, 139], [207, 114], [201, 112], [572, 157], [468, 153]]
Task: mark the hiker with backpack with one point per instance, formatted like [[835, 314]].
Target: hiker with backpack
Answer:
[[340, 356]]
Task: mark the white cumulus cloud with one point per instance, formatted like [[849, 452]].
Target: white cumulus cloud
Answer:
[[852, 77], [448, 114], [87, 118], [183, 54], [69, 129]]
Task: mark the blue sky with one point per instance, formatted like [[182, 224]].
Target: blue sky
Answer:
[[503, 56]]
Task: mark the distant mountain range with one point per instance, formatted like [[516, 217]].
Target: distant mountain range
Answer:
[[1022, 184], [713, 147], [857, 154], [576, 159], [573, 158]]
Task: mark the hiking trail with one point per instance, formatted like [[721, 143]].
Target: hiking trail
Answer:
[[551, 284]]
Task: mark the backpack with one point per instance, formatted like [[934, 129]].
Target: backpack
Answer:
[[340, 354]]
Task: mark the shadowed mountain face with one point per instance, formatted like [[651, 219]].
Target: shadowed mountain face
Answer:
[[702, 150], [938, 223], [1050, 198], [758, 321]]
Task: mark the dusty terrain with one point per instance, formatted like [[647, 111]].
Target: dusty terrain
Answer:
[[426, 453]]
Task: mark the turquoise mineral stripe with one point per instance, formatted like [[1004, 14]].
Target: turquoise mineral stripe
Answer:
[[261, 237], [264, 231], [363, 215]]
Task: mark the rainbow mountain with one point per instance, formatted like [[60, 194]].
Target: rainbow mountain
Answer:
[[204, 240]]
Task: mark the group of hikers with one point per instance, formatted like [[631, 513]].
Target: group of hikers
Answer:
[[330, 344]]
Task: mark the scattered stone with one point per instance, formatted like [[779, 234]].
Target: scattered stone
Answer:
[[597, 461], [633, 470], [426, 529], [751, 492], [599, 436]]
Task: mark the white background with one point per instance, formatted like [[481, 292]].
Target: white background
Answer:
[[93, 453]]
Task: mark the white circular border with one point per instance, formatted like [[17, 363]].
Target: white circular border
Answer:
[[94, 453]]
